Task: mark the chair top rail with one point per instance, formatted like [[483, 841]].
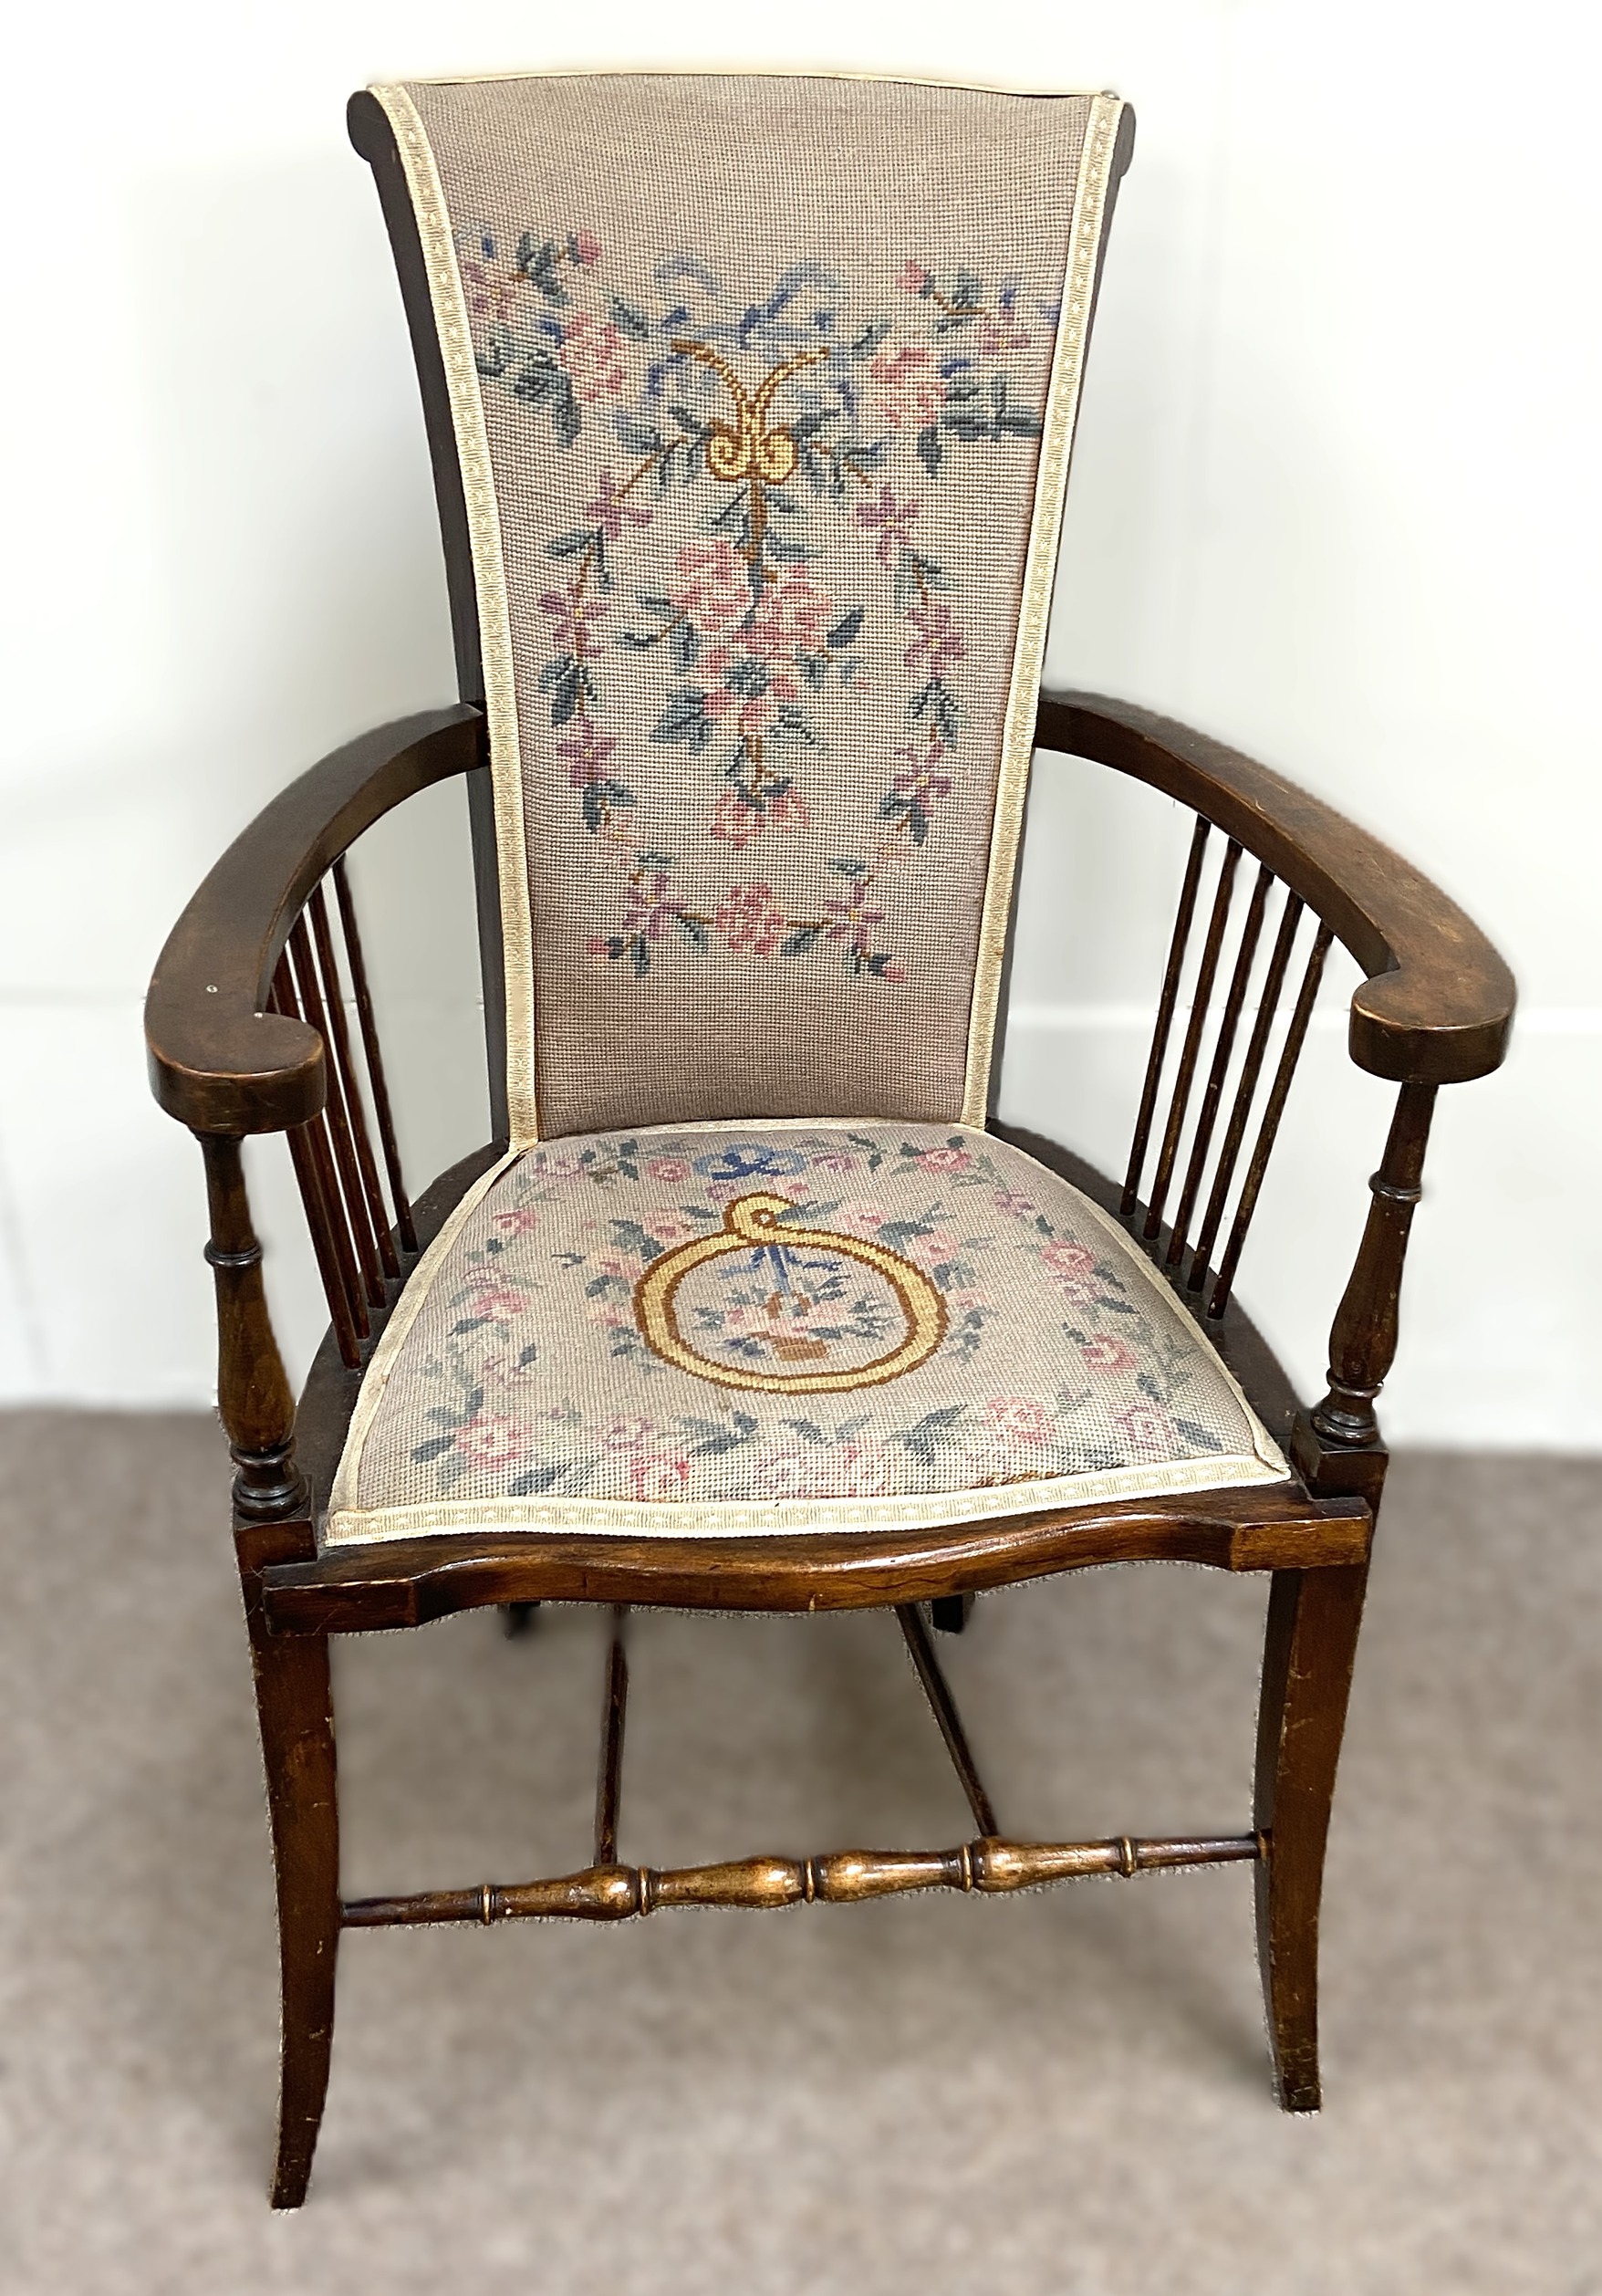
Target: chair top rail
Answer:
[[219, 1062], [1437, 1006]]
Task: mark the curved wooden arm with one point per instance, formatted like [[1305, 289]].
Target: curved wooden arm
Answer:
[[217, 1061], [1438, 1004]]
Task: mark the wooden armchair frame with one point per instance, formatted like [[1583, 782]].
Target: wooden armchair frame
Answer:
[[248, 1032]]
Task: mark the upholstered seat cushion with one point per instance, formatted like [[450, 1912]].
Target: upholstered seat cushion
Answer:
[[782, 1328]]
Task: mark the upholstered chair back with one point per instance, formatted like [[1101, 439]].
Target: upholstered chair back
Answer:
[[762, 391]]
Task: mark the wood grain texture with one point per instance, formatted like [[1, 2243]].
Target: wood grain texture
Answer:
[[1437, 1006], [219, 1060], [1309, 1651]]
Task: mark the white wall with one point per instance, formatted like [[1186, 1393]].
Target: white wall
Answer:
[[1336, 499]]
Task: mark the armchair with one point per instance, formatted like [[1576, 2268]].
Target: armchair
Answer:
[[750, 503]]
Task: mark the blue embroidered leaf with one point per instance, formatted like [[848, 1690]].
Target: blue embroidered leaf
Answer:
[[684, 720], [1021, 421], [692, 929], [797, 944], [652, 858], [469, 1323], [686, 644], [536, 1479], [793, 724], [568, 545], [629, 1237], [868, 342], [629, 321], [529, 1356], [808, 1429], [639, 438], [434, 1448], [849, 868], [930, 450], [1200, 1436], [935, 1431], [639, 956], [843, 633]]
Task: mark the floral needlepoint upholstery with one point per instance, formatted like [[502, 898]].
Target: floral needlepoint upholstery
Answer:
[[782, 1328], [763, 390]]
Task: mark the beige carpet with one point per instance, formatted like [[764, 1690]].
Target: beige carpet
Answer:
[[1062, 2094]]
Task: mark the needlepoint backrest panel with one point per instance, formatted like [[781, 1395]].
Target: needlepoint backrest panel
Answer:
[[763, 390]]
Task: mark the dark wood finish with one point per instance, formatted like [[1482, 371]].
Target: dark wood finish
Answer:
[[294, 1707], [840, 1877], [373, 1054], [950, 1614], [219, 1062], [1201, 1005], [1268, 1131], [405, 1582], [1311, 1643], [1362, 1344], [1165, 1004], [1222, 1050], [1438, 1002], [342, 1064], [609, 1787], [943, 1706], [1246, 1088], [252, 1389], [333, 1148]]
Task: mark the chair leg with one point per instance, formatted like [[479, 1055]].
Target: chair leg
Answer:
[[1312, 1621], [294, 1706], [950, 1614]]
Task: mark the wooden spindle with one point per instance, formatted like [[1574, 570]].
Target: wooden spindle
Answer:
[[1362, 1343], [375, 1060], [338, 1278], [349, 1201], [1201, 1005], [333, 994], [1212, 1094], [943, 1706], [1165, 1004], [1290, 1053], [1246, 1090], [841, 1877], [254, 1401], [609, 1782]]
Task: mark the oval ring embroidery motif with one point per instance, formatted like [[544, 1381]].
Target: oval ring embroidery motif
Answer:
[[757, 1221]]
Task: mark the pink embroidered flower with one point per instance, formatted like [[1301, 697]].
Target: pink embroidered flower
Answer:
[[1072, 1260], [749, 921], [611, 510], [939, 1244], [713, 585], [653, 906], [852, 918], [490, 1440], [860, 1219], [670, 1170], [786, 812], [1150, 1431], [909, 391], [780, 1475], [836, 1160], [658, 1475], [893, 522], [668, 1227], [1008, 1200], [585, 246], [735, 822], [857, 1472], [588, 754], [921, 785], [519, 1222], [939, 643], [945, 1159], [790, 618], [497, 1302], [912, 277], [572, 616], [1020, 1419], [592, 352], [1104, 1353]]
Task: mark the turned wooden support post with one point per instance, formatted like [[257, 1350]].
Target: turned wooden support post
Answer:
[[254, 1400], [1362, 1341]]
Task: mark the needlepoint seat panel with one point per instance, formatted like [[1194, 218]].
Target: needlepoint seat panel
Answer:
[[783, 1327], [763, 392]]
